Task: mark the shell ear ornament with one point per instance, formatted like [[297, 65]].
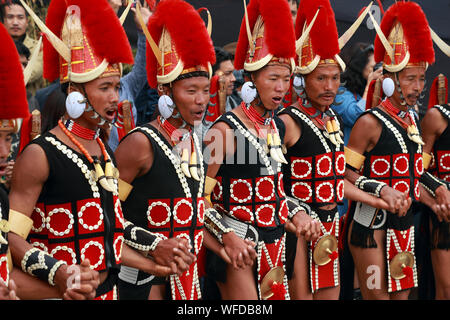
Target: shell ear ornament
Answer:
[[248, 92], [388, 87], [298, 84], [75, 104], [165, 106]]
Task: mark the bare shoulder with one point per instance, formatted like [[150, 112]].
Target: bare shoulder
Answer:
[[433, 118]]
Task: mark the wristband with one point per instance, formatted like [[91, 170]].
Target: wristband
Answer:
[[215, 223], [39, 264], [370, 186], [139, 238]]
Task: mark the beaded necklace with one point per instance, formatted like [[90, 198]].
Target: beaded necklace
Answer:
[[105, 178], [273, 138], [81, 131]]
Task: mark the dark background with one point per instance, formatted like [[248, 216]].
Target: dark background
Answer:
[[227, 16]]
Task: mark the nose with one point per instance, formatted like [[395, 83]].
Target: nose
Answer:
[[201, 98], [4, 150]]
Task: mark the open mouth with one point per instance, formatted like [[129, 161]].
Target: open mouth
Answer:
[[199, 114], [277, 100], [111, 114], [3, 168]]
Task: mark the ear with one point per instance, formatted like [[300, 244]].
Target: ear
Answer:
[[164, 90]]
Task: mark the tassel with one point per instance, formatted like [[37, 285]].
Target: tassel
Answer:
[[279, 291], [333, 255]]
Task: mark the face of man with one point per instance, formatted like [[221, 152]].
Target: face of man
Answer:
[[23, 61], [322, 85], [272, 83], [191, 96], [412, 82], [5, 148], [227, 68], [103, 95], [15, 21], [293, 7]]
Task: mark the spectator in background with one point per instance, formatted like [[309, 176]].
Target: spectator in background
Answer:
[[15, 19], [132, 83], [24, 56], [350, 102], [293, 4]]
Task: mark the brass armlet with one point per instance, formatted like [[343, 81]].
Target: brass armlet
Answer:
[[210, 183], [353, 158], [426, 160], [19, 223], [124, 189]]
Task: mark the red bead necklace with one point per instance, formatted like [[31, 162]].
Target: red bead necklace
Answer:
[[258, 120], [81, 147], [81, 131]]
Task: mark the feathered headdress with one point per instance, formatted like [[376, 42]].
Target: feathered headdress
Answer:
[[178, 43], [266, 36], [318, 42], [403, 38], [13, 96], [84, 40]]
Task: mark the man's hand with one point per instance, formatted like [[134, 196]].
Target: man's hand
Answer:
[[174, 253], [8, 292], [85, 285], [303, 225], [442, 206], [241, 252], [397, 201]]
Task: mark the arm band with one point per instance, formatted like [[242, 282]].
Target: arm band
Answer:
[[295, 206], [124, 189], [215, 224], [370, 186], [19, 223], [426, 157], [139, 238], [39, 264], [210, 183], [353, 159], [431, 183]]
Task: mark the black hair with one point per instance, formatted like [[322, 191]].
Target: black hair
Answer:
[[8, 3], [54, 108], [221, 56], [357, 61], [22, 50]]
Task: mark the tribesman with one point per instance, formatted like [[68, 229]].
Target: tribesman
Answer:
[[436, 135], [385, 153], [245, 158], [315, 169], [161, 162], [64, 205]]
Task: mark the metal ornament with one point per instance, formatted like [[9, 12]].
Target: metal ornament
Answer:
[[324, 248], [275, 274], [399, 262]]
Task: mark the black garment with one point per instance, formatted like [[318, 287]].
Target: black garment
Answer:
[[68, 190], [4, 215]]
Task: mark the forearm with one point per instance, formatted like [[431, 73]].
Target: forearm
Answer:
[[30, 288]]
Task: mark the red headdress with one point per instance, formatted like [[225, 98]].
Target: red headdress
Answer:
[[13, 97], [321, 43], [84, 40], [179, 43], [405, 38], [268, 38]]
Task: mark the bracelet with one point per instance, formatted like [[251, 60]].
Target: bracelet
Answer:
[[431, 183], [215, 223], [295, 206], [370, 186], [140, 238], [39, 264]]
